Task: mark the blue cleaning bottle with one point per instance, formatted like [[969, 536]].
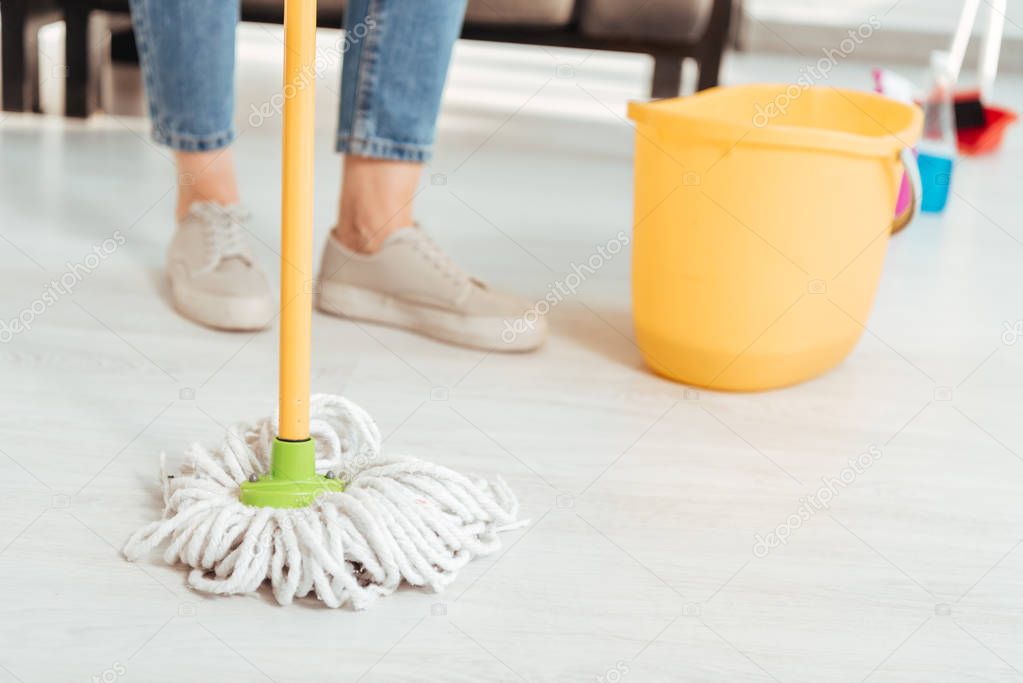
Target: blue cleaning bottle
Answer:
[[937, 149]]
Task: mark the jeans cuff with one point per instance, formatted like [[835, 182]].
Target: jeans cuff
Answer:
[[382, 148], [186, 142]]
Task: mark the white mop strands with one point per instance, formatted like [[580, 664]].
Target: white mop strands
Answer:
[[397, 519]]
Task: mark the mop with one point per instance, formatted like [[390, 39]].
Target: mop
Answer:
[[307, 501]]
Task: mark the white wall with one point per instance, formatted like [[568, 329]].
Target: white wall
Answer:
[[910, 28]]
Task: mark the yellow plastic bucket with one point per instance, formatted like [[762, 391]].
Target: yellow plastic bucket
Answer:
[[762, 217]]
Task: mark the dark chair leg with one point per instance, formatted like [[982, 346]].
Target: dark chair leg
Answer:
[[20, 47], [79, 91], [713, 44], [667, 81], [12, 40], [709, 69]]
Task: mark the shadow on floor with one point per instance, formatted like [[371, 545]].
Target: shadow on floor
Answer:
[[605, 331]]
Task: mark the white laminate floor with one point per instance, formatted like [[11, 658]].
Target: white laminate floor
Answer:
[[641, 563]]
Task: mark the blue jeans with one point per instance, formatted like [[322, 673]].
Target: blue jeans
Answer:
[[395, 59]]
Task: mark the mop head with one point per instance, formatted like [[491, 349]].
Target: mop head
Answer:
[[398, 520]]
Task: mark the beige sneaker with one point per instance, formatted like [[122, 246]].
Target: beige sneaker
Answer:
[[213, 278], [411, 283]]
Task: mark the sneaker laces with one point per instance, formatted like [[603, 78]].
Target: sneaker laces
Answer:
[[223, 233], [442, 262]]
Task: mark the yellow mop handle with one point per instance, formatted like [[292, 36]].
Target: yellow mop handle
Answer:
[[297, 217]]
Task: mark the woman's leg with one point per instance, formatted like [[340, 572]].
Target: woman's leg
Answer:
[[378, 265], [376, 200], [395, 64], [186, 48], [205, 177]]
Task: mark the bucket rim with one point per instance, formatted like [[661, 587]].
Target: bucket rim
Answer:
[[658, 112]]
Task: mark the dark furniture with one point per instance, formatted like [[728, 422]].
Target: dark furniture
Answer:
[[21, 20], [669, 30]]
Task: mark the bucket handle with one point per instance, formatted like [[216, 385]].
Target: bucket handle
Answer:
[[912, 171]]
